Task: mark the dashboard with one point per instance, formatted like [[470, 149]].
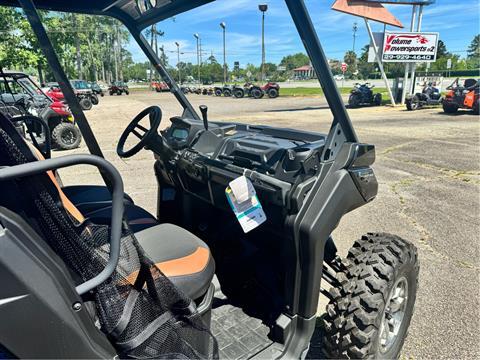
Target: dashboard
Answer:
[[202, 162]]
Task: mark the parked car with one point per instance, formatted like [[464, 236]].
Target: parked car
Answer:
[[119, 88], [339, 77]]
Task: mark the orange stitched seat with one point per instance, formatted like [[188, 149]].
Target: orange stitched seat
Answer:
[[181, 256]]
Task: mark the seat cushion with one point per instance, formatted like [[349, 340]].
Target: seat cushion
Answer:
[[181, 256], [88, 198], [137, 218]]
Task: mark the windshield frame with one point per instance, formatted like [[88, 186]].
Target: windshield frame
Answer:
[[341, 130]]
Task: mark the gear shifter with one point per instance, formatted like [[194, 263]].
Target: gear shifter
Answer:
[[204, 110]]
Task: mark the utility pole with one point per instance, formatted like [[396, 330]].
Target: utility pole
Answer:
[[263, 8], [355, 29], [224, 26], [197, 36], [178, 63]]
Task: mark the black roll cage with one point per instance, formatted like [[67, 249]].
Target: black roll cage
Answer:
[[341, 122]]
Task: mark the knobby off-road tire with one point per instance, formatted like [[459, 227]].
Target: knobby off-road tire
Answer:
[[476, 107], [376, 267], [94, 99], [86, 104], [450, 108], [238, 93], [412, 103], [66, 136], [354, 101], [256, 93], [272, 93]]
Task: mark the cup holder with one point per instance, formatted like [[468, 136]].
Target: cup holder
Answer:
[[295, 157]]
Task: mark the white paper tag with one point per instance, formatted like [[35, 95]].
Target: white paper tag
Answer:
[[242, 189], [249, 212]]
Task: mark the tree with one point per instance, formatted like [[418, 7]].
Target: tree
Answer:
[[474, 48], [364, 67], [442, 49], [350, 59], [295, 61]]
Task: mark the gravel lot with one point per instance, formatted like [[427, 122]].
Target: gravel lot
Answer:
[[428, 166]]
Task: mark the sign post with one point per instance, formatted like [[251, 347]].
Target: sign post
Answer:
[[449, 66], [379, 62], [344, 70]]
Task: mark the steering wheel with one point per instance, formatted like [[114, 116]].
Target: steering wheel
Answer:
[[144, 134]]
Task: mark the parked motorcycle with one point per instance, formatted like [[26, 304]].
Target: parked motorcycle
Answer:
[[429, 96], [362, 94]]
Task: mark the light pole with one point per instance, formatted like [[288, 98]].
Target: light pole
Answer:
[[198, 55], [178, 63], [355, 29], [224, 27], [263, 8]]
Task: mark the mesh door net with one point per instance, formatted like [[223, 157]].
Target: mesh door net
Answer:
[[143, 314]]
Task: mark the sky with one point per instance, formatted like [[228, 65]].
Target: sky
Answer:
[[456, 21]]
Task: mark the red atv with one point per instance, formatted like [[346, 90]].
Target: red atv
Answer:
[[464, 96], [271, 89]]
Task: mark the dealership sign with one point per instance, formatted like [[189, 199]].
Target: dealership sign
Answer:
[[409, 47]]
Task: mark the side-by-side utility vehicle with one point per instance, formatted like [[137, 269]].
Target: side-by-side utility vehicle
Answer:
[[20, 96], [462, 96], [239, 252]]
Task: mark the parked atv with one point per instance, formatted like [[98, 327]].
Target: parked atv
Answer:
[[429, 96], [464, 96], [119, 88], [253, 91], [362, 94], [22, 97], [272, 89], [238, 91], [218, 91]]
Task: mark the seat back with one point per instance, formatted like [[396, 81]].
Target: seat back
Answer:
[[37, 296], [143, 317]]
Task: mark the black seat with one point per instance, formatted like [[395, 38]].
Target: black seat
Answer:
[[88, 198], [183, 257]]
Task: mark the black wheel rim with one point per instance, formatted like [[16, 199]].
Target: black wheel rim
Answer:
[[68, 137]]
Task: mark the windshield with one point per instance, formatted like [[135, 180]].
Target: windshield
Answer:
[[80, 85]]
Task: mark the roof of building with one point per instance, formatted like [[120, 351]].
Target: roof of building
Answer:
[[304, 68]]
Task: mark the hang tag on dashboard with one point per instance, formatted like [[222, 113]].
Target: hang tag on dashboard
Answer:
[[244, 202]]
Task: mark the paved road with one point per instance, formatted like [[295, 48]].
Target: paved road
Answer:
[[428, 166]]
